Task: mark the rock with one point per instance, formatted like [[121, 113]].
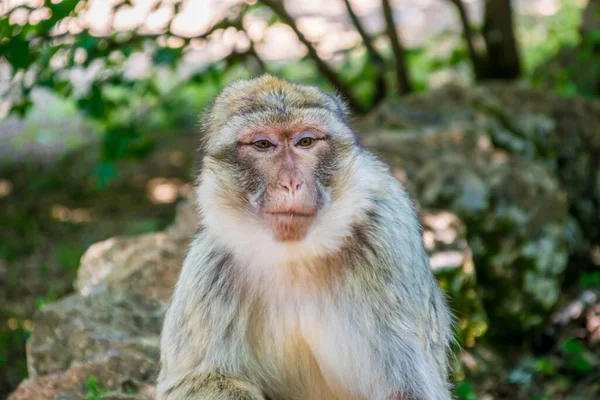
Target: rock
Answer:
[[514, 208], [110, 329], [145, 266], [562, 134], [514, 214], [559, 133], [83, 328], [113, 376]]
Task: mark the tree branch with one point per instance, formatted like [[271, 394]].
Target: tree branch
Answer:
[[251, 51], [374, 56], [502, 61], [277, 7], [468, 35], [401, 70]]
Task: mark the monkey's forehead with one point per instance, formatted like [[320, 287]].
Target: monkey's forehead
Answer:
[[268, 94]]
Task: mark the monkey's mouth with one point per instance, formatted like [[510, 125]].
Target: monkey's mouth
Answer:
[[290, 225], [292, 214]]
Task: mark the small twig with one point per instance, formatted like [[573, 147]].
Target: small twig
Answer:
[[277, 7], [399, 54], [176, 88], [137, 37], [468, 35], [251, 51], [374, 56], [10, 10]]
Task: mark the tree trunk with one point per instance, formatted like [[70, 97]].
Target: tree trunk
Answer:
[[498, 33], [590, 21], [590, 46]]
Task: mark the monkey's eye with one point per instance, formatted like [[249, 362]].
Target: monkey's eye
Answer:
[[305, 142], [262, 144]]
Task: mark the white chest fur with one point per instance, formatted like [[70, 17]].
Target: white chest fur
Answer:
[[316, 353]]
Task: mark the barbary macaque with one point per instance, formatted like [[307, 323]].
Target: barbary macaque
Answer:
[[308, 279]]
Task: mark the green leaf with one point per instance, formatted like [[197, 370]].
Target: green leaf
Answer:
[[22, 107], [60, 10], [140, 147], [590, 279], [573, 346], [116, 141], [272, 20], [93, 389], [167, 55], [104, 173], [581, 364], [46, 55], [465, 391], [91, 384], [5, 28], [17, 52], [93, 104], [545, 366], [126, 142], [86, 42], [458, 56]]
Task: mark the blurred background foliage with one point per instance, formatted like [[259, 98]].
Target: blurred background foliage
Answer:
[[100, 104]]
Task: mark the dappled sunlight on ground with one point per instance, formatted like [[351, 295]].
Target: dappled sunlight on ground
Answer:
[[6, 187], [75, 215], [162, 190]]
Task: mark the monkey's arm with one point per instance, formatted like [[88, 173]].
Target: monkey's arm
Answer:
[[211, 386], [411, 331], [203, 309]]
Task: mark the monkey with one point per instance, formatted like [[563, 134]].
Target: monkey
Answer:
[[308, 278]]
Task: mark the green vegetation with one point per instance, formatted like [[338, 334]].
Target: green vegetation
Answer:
[[93, 389]]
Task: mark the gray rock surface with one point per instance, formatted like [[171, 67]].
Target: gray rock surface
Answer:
[[109, 330]]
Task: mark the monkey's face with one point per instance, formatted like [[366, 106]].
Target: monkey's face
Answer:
[[279, 165], [275, 154]]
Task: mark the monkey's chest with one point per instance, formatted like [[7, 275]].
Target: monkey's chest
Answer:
[[313, 356]]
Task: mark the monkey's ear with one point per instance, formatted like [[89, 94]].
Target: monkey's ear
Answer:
[[341, 107]]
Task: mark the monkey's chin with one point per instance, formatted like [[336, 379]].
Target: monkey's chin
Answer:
[[289, 227]]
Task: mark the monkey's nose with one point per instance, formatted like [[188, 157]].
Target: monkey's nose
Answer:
[[291, 186]]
